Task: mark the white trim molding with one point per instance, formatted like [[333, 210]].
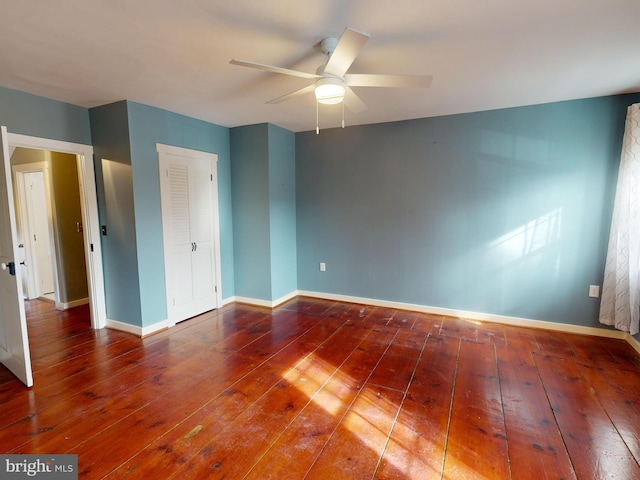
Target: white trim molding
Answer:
[[263, 303], [71, 304], [137, 330], [482, 317]]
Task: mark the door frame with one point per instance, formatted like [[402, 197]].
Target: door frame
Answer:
[[164, 150], [89, 211]]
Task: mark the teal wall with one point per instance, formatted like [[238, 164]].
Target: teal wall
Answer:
[[250, 191], [503, 212], [110, 130], [263, 181], [282, 212], [28, 114]]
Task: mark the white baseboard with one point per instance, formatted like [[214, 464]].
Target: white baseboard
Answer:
[[483, 317], [136, 330], [263, 303], [71, 304]]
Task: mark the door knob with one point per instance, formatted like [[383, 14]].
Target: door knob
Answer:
[[11, 266]]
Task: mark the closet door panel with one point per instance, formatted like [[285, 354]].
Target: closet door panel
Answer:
[[187, 195]]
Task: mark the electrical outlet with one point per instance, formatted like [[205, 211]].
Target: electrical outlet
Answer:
[[323, 267], [594, 291]]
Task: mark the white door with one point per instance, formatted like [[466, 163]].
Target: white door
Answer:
[[14, 344], [188, 188], [39, 238]]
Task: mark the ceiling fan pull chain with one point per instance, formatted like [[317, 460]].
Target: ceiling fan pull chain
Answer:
[[317, 122], [342, 114]]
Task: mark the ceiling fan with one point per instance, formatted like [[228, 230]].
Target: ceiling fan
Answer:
[[332, 84]]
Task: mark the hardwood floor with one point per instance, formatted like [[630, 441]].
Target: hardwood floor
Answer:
[[320, 389]]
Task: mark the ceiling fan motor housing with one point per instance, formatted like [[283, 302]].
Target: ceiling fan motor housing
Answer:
[[328, 45]]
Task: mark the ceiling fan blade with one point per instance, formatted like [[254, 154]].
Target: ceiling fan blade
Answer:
[[270, 68], [296, 93], [398, 81], [348, 48], [353, 102]]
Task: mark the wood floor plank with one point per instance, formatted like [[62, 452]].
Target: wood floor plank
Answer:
[[477, 445], [308, 305], [169, 452], [379, 316], [623, 353], [523, 338], [161, 415], [348, 310], [553, 343], [101, 399], [619, 394], [248, 436], [295, 451], [397, 365], [428, 323], [536, 447], [491, 333], [459, 328], [152, 375], [595, 446], [403, 319], [354, 449], [393, 372], [616, 385], [416, 448]]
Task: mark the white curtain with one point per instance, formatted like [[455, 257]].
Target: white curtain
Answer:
[[620, 302]]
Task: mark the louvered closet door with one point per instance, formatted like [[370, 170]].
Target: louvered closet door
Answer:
[[187, 211]]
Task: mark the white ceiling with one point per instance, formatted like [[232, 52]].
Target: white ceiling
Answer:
[[174, 54]]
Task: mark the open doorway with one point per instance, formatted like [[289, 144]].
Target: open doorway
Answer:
[[14, 344], [76, 260], [49, 223]]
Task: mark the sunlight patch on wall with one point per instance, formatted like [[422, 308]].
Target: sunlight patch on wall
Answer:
[[529, 238]]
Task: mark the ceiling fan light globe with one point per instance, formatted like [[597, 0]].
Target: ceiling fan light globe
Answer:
[[331, 100], [329, 93]]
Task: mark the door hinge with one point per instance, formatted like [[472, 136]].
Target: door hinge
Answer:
[[211, 177], [215, 289], [91, 247]]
